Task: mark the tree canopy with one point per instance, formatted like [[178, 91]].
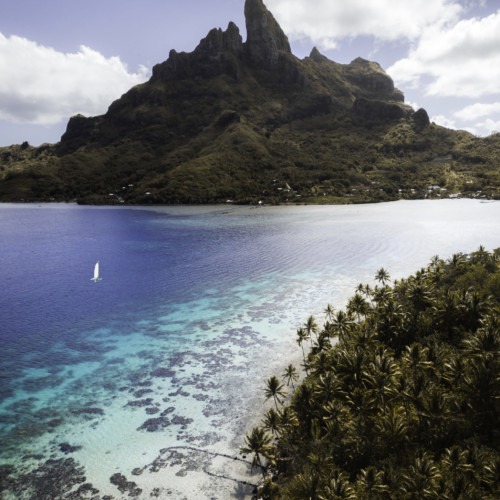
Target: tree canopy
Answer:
[[401, 394]]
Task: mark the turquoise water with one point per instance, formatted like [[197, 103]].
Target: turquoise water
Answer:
[[155, 372]]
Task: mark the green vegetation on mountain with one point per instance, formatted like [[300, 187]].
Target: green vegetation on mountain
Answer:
[[401, 397], [249, 121]]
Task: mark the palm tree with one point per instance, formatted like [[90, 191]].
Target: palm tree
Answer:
[[392, 429], [320, 363], [389, 318], [480, 255], [257, 442], [457, 259], [327, 387], [271, 421], [370, 483], [382, 276], [287, 418], [482, 386], [420, 294], [329, 312], [458, 471], [449, 314], [290, 375], [350, 364], [324, 336], [358, 305], [311, 326], [380, 378], [274, 389], [365, 290], [420, 480], [301, 337], [305, 485], [342, 324], [474, 305], [435, 262], [486, 341], [415, 358], [302, 404], [338, 488]]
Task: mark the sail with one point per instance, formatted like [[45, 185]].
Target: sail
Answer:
[[96, 273]]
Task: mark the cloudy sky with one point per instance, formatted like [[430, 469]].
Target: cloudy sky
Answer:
[[63, 57]]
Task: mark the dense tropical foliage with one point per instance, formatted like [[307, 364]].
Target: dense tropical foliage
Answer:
[[401, 397]]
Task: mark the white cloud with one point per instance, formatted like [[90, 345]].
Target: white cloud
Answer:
[[489, 126], [326, 21], [43, 86], [462, 60], [444, 121], [479, 119], [484, 127], [478, 110]]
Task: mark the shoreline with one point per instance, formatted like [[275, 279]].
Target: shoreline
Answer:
[[260, 204]]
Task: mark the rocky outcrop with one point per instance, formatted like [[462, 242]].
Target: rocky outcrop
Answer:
[[421, 119], [317, 56], [223, 52], [79, 131], [370, 76], [217, 42], [267, 47], [266, 41], [382, 111], [217, 53]]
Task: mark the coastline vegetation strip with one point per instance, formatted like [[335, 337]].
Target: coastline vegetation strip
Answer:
[[401, 394]]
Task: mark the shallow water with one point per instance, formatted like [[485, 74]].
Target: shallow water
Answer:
[[156, 371]]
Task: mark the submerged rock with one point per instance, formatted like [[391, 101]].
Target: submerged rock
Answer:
[[124, 486], [154, 424], [87, 411], [162, 372], [141, 392], [55, 478], [182, 421], [140, 403], [67, 448]]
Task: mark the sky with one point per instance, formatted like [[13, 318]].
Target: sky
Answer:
[[59, 58]]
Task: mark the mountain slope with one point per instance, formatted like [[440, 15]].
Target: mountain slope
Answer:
[[249, 121]]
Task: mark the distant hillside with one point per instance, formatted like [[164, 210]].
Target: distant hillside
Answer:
[[249, 121]]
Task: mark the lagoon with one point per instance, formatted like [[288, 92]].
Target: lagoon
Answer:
[[145, 382]]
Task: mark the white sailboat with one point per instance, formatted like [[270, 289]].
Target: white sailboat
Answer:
[[96, 277]]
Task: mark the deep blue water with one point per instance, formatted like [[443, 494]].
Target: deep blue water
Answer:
[[146, 259], [211, 294]]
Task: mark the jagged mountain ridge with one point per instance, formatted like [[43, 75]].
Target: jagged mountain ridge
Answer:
[[244, 121], [266, 55]]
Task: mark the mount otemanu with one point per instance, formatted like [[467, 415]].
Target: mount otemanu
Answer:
[[249, 121]]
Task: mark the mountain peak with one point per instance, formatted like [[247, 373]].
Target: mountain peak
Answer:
[[265, 38], [317, 56]]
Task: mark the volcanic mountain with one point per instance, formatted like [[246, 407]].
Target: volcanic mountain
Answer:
[[247, 121]]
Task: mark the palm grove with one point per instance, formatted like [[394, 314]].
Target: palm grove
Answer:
[[400, 397]]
